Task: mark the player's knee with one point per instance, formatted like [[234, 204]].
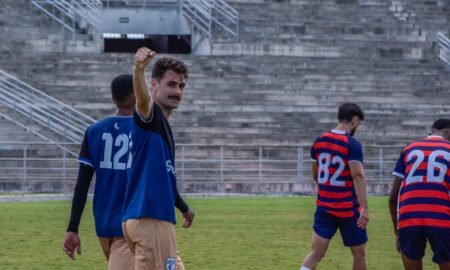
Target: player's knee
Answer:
[[317, 255], [359, 253]]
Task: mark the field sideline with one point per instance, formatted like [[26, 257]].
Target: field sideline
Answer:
[[228, 234]]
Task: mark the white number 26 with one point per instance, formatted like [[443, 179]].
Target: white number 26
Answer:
[[433, 164]]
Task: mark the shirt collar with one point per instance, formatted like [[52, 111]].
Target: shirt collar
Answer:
[[435, 137], [342, 132]]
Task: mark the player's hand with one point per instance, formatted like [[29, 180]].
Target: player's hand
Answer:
[[143, 57], [363, 219], [188, 218], [72, 242]]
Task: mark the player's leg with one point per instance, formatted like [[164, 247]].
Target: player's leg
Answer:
[[359, 257], [132, 230], [439, 239], [105, 243], [319, 247], [410, 264], [166, 244], [324, 227], [121, 257], [127, 238], [154, 243], [180, 264], [355, 238], [444, 266], [412, 242]]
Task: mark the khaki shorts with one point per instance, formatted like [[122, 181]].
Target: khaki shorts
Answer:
[[117, 253], [153, 243]]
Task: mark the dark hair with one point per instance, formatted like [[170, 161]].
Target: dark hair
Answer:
[[348, 110], [441, 124], [167, 63], [122, 88]]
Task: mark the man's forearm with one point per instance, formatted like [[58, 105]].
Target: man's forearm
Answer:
[[141, 92], [85, 174], [393, 201], [360, 189], [393, 212], [142, 58]]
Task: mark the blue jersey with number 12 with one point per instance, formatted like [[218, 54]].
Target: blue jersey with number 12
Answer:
[[105, 148]]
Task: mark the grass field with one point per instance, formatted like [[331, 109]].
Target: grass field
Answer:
[[228, 234]]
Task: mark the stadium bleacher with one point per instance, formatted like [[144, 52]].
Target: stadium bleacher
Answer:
[[279, 85]]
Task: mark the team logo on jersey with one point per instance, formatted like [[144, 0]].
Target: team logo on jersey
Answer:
[[116, 126], [171, 264], [170, 167]]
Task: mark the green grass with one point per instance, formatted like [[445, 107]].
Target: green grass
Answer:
[[228, 233]]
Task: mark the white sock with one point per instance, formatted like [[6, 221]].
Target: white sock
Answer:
[[304, 268]]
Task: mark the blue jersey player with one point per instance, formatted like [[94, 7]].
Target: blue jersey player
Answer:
[[341, 201], [104, 151], [151, 193]]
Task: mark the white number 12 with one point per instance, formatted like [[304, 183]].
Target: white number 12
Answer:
[[121, 141]]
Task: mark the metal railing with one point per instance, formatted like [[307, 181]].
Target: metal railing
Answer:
[[196, 164], [209, 17], [36, 107], [36, 166], [443, 48], [268, 163], [139, 3], [212, 16], [68, 13]]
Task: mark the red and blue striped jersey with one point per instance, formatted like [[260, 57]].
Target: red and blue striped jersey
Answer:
[[333, 151], [424, 200]]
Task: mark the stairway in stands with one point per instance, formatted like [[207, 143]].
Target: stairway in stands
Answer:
[[296, 61]]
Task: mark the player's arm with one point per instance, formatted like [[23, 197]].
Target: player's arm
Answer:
[[314, 168], [71, 238], [393, 201], [188, 213], [85, 174], [355, 162], [399, 175], [144, 102], [359, 182]]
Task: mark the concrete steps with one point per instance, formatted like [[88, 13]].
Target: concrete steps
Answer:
[[281, 85]]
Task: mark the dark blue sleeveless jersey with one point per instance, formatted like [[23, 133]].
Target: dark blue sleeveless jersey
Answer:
[[105, 148], [151, 179]]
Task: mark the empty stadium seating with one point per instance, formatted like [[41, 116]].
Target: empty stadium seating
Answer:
[[280, 85]]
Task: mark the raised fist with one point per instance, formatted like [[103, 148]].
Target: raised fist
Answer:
[[143, 57]]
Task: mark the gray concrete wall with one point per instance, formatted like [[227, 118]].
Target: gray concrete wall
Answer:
[[296, 62], [158, 21]]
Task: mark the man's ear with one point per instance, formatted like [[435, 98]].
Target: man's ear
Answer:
[[446, 134], [153, 84], [354, 121]]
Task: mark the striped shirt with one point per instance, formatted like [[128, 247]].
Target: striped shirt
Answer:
[[424, 200], [333, 151]]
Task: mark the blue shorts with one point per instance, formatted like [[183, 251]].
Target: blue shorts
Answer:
[[413, 241], [325, 225]]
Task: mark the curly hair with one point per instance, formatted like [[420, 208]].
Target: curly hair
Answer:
[[168, 63]]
